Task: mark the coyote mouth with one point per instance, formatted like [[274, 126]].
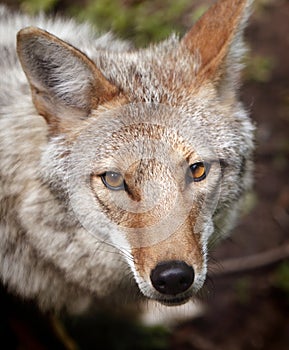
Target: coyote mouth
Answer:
[[175, 301]]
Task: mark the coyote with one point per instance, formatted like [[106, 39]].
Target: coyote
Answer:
[[120, 167]]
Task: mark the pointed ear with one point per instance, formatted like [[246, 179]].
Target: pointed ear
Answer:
[[216, 42], [65, 83]]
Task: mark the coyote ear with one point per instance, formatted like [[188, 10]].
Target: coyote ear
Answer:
[[65, 83], [216, 42]]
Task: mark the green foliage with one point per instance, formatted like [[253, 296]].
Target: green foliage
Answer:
[[259, 68], [199, 11], [242, 289], [34, 6], [250, 202], [140, 21], [282, 277]]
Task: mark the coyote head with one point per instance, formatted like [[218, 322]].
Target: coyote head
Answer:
[[150, 149]]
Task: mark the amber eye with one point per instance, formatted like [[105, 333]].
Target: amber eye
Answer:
[[199, 171], [113, 180]]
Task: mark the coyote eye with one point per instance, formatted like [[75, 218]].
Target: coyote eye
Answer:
[[198, 171], [113, 181]]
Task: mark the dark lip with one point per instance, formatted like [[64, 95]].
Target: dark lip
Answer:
[[174, 301]]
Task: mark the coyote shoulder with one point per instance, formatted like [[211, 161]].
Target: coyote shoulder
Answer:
[[119, 166]]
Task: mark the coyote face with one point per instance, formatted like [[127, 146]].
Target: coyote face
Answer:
[[140, 162], [161, 190], [157, 186]]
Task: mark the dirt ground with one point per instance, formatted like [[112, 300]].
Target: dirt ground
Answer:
[[246, 309]]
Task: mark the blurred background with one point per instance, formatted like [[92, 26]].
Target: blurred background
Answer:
[[246, 297]]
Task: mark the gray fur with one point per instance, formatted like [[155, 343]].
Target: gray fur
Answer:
[[46, 252]]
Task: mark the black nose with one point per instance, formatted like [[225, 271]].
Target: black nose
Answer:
[[172, 277]]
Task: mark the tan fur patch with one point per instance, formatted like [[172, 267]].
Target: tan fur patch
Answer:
[[182, 245]]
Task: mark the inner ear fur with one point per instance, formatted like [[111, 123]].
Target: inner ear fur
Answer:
[[66, 85], [216, 41]]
